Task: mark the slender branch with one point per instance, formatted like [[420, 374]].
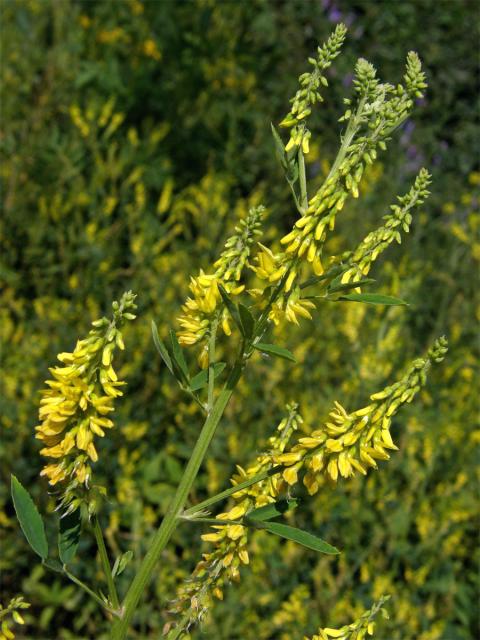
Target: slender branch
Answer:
[[91, 593], [297, 203], [217, 521], [194, 397], [229, 492], [112, 591], [352, 129], [211, 364]]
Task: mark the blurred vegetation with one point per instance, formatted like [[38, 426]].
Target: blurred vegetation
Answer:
[[134, 135]]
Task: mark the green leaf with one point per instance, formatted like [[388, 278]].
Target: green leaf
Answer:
[[273, 510], [161, 348], [274, 350], [325, 276], [53, 564], [373, 298], [334, 287], [232, 309], [279, 147], [178, 357], [29, 518], [291, 172], [247, 321], [301, 537], [68, 536], [121, 562], [201, 379]]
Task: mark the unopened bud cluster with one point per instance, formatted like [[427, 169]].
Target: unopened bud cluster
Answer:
[[309, 92], [376, 110], [377, 241]]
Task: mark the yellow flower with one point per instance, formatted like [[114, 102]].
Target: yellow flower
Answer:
[[222, 564], [351, 442], [151, 50], [205, 303], [74, 408], [359, 629]]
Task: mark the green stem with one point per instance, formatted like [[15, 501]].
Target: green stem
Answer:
[[91, 593], [217, 521], [303, 181], [297, 203], [112, 591], [229, 492], [352, 128], [170, 521], [211, 364]]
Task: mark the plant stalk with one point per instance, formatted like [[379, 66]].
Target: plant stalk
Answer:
[[102, 549], [170, 521], [91, 593]]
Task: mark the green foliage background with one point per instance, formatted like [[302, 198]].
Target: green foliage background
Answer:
[[134, 134]]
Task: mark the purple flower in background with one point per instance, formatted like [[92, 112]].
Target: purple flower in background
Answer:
[[334, 15], [406, 136], [412, 151], [415, 158], [347, 80]]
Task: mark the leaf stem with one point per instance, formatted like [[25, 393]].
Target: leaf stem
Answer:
[[91, 593], [211, 364], [112, 591]]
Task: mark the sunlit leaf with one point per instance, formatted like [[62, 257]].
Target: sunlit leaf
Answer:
[[300, 537], [373, 298]]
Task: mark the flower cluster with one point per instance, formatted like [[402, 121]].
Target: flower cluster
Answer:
[[360, 260], [377, 109], [351, 442], [290, 303], [309, 92], [222, 565], [74, 408], [205, 302], [11, 610], [357, 630]]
